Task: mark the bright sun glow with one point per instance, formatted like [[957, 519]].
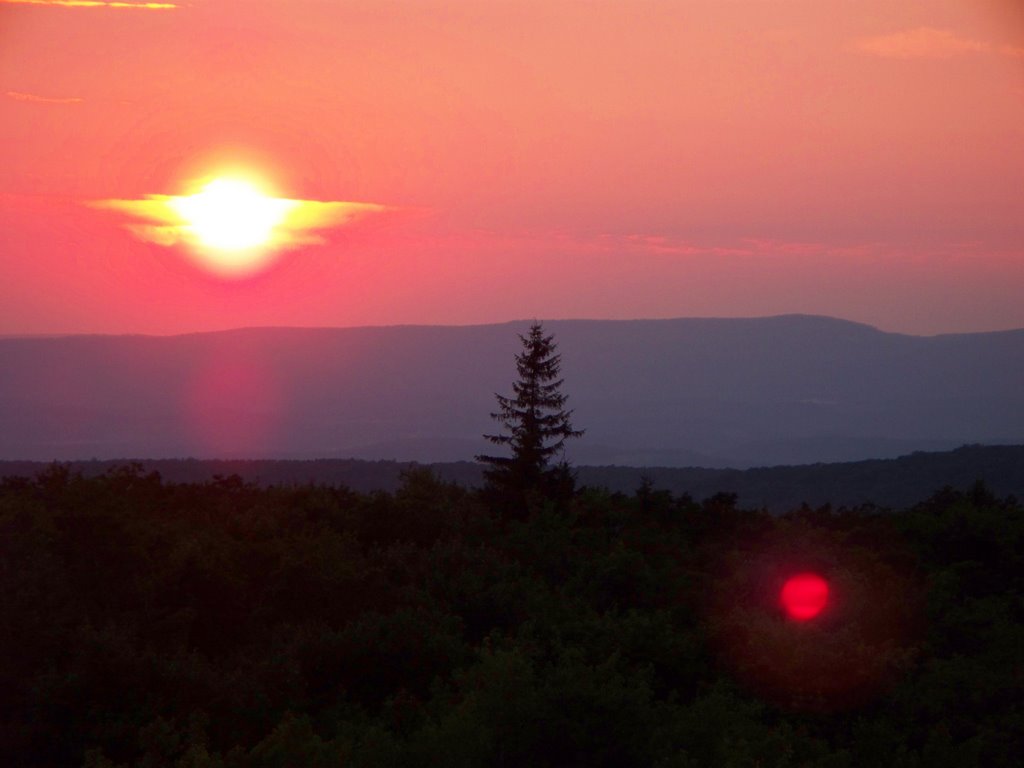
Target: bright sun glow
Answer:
[[231, 225], [232, 215]]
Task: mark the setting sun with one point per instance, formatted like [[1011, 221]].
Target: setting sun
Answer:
[[232, 215], [231, 226]]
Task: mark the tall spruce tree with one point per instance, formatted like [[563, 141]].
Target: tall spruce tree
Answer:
[[536, 424]]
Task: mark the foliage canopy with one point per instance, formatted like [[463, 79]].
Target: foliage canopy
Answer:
[[224, 624]]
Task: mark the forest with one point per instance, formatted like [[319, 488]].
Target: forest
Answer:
[[894, 483], [220, 623]]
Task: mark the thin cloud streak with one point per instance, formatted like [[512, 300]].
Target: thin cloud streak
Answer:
[[158, 220], [35, 99], [930, 43], [667, 246], [94, 4]]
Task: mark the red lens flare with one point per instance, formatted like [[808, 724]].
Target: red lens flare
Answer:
[[804, 596]]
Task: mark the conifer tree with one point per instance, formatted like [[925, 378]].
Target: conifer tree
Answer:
[[536, 424]]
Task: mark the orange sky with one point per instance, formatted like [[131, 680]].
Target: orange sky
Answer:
[[857, 158]]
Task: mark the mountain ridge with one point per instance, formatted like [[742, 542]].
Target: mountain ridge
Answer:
[[734, 392], [515, 322]]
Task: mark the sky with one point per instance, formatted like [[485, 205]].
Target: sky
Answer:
[[481, 161]]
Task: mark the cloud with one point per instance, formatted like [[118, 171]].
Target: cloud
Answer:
[[1013, 51], [162, 220], [94, 4], [644, 245], [31, 97], [930, 43]]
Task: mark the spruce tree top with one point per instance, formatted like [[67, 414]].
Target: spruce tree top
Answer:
[[536, 424]]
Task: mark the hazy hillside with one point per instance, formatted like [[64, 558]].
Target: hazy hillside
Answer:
[[688, 392]]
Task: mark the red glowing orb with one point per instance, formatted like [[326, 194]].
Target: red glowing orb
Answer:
[[804, 596]]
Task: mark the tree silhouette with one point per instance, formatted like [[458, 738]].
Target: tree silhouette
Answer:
[[536, 424]]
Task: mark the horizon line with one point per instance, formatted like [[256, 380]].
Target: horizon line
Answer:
[[515, 321]]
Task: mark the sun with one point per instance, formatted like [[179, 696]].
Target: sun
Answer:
[[230, 215], [232, 224]]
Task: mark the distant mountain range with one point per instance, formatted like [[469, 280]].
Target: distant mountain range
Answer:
[[687, 392]]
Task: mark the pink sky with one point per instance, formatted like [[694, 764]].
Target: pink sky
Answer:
[[856, 158]]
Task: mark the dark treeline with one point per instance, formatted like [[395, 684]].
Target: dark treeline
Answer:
[[893, 483], [221, 623]]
